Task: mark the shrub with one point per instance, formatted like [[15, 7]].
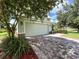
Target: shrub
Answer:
[[62, 31], [14, 47]]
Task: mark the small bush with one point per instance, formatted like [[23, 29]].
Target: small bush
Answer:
[[14, 47], [62, 31]]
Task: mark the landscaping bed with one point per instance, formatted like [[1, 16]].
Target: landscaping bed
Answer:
[[27, 55]]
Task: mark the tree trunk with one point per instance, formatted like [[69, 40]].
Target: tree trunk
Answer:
[[8, 33], [11, 32]]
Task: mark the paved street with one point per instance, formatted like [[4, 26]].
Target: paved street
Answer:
[[52, 47]]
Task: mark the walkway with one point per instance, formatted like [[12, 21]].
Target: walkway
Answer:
[[52, 47]]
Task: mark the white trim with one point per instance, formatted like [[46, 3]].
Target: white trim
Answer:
[[38, 22]]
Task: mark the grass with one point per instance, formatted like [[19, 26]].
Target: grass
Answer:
[[3, 33], [72, 33]]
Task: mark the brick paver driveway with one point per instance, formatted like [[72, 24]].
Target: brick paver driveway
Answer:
[[47, 47]]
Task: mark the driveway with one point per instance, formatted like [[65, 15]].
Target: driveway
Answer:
[[52, 47]]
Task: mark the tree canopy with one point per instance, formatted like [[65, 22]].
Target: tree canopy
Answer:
[[38, 8], [73, 18], [15, 9], [71, 15]]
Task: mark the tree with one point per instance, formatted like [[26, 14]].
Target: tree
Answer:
[[75, 23], [74, 16], [59, 16], [70, 16], [63, 15], [61, 19], [16, 9]]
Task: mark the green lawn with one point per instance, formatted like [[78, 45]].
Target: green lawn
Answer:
[[3, 34], [72, 34]]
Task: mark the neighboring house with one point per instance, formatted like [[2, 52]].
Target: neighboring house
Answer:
[[33, 28]]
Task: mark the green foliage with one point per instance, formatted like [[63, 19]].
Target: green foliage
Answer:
[[18, 9], [75, 22], [14, 47], [62, 18], [53, 26], [56, 28], [74, 15], [29, 8], [71, 17]]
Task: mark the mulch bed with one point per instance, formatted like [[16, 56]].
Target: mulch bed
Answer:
[[27, 55]]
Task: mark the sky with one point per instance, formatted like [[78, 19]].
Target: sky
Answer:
[[52, 14]]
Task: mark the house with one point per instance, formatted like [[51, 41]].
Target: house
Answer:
[[33, 28]]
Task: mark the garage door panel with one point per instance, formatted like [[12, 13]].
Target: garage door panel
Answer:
[[35, 29]]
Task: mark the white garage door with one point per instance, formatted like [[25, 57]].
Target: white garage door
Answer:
[[32, 29]]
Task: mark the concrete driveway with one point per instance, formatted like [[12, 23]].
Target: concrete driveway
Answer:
[[52, 47]]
